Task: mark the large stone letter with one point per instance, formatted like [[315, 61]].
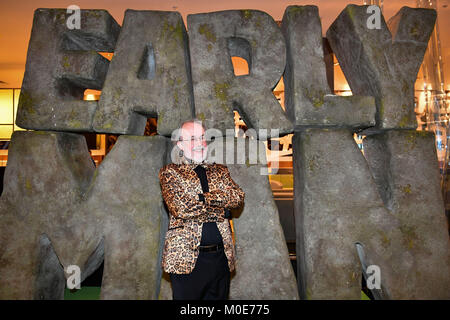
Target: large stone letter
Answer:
[[260, 242], [254, 36], [61, 64], [149, 76], [380, 64], [309, 101], [58, 210], [336, 206], [405, 168]]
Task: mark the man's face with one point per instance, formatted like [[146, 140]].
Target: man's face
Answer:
[[193, 141]]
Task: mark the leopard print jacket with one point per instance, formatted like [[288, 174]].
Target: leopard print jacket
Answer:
[[180, 187]]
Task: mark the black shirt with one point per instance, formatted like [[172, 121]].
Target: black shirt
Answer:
[[210, 232]]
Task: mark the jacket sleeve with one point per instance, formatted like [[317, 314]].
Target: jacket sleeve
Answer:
[[181, 203], [231, 197]]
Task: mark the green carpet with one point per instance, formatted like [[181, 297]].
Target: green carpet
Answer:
[[364, 296], [93, 293], [85, 293]]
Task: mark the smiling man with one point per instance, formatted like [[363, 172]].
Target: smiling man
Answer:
[[198, 252]]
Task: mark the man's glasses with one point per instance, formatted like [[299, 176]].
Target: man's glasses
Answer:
[[193, 139]]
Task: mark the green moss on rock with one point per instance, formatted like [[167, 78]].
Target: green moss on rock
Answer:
[[76, 124], [247, 14], [316, 97], [28, 184], [26, 102], [107, 125], [205, 30], [221, 93], [170, 31], [201, 116], [404, 121], [381, 109], [160, 117], [351, 11], [294, 10], [406, 189], [65, 62], [409, 236]]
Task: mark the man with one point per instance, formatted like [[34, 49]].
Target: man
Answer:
[[198, 252]]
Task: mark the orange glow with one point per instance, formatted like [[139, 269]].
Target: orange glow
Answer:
[[240, 66], [91, 95], [107, 55]]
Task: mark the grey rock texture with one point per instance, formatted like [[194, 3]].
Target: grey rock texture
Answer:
[[263, 268], [308, 98], [165, 291], [149, 76], [336, 205], [405, 169], [383, 62], [254, 36], [389, 204], [61, 64], [57, 210]]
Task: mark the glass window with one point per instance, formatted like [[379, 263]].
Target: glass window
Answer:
[[6, 106], [6, 131], [16, 103]]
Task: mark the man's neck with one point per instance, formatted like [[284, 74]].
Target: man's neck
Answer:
[[187, 160]]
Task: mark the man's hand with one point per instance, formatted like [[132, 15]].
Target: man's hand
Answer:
[[201, 173], [231, 197]]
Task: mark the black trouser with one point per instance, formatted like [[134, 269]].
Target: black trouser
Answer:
[[210, 279]]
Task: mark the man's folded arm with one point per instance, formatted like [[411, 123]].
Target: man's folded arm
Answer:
[[181, 203], [231, 197]]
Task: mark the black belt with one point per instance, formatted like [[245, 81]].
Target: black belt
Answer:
[[212, 247]]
